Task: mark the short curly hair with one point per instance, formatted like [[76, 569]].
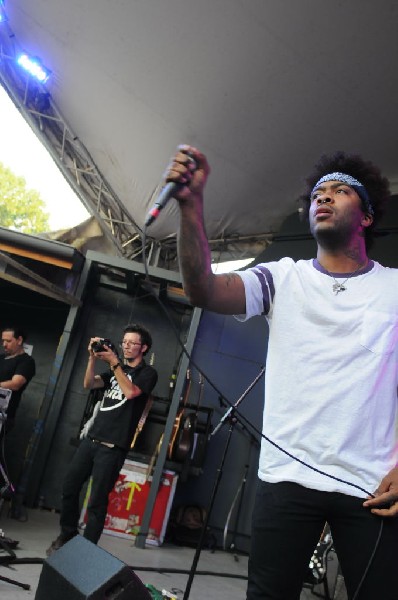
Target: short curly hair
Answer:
[[146, 338], [377, 186]]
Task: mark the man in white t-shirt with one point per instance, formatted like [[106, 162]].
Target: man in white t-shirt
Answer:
[[331, 380]]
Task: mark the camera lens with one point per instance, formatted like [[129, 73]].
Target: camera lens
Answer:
[[97, 347]]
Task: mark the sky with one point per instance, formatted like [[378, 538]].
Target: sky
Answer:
[[23, 153]]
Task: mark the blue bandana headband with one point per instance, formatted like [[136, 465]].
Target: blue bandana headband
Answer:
[[352, 182]]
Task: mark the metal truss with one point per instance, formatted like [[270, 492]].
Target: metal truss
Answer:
[[74, 161]]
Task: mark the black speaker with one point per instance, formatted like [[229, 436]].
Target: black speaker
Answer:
[[80, 570]]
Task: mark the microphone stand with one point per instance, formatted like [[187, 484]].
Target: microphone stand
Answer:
[[230, 416]]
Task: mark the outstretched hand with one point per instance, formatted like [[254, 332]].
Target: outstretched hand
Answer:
[[385, 502]]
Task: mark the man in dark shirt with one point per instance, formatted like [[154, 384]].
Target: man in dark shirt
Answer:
[[102, 452], [16, 369]]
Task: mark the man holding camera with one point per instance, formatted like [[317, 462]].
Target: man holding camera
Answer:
[[102, 452]]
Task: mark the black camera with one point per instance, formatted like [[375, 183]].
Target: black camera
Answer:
[[99, 345]]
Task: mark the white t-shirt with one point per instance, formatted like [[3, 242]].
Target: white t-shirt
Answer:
[[331, 378]]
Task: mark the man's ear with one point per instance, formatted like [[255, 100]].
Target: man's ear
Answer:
[[144, 348], [20, 341], [367, 220]]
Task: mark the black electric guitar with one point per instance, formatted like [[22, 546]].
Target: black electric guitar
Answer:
[[318, 563], [186, 434]]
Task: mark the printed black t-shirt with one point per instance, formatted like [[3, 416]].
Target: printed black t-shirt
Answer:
[[118, 417]]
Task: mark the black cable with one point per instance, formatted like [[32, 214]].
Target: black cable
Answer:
[[186, 572], [355, 596], [177, 335], [40, 561]]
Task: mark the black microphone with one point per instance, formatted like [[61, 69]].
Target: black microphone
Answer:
[[167, 192]]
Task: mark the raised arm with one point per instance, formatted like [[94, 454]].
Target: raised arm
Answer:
[[219, 293]]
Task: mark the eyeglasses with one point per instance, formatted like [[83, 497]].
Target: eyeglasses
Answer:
[[128, 343]]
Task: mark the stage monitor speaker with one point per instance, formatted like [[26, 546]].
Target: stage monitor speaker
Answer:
[[81, 570]]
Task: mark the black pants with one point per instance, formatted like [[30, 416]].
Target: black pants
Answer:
[[103, 464], [288, 520]]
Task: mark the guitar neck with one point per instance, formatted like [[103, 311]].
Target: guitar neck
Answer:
[[201, 390], [179, 416]]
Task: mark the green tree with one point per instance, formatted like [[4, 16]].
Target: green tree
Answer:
[[21, 209]]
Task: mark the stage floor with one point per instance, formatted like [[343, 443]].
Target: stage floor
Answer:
[[41, 527]]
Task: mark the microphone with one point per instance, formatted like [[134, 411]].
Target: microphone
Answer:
[[167, 192]]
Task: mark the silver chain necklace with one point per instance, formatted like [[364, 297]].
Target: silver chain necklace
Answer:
[[340, 287]]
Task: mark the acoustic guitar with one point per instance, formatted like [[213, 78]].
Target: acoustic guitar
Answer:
[[179, 416]]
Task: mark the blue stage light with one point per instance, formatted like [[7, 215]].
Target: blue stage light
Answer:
[[34, 66]]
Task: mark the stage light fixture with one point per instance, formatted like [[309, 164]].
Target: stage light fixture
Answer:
[[34, 66], [3, 16]]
